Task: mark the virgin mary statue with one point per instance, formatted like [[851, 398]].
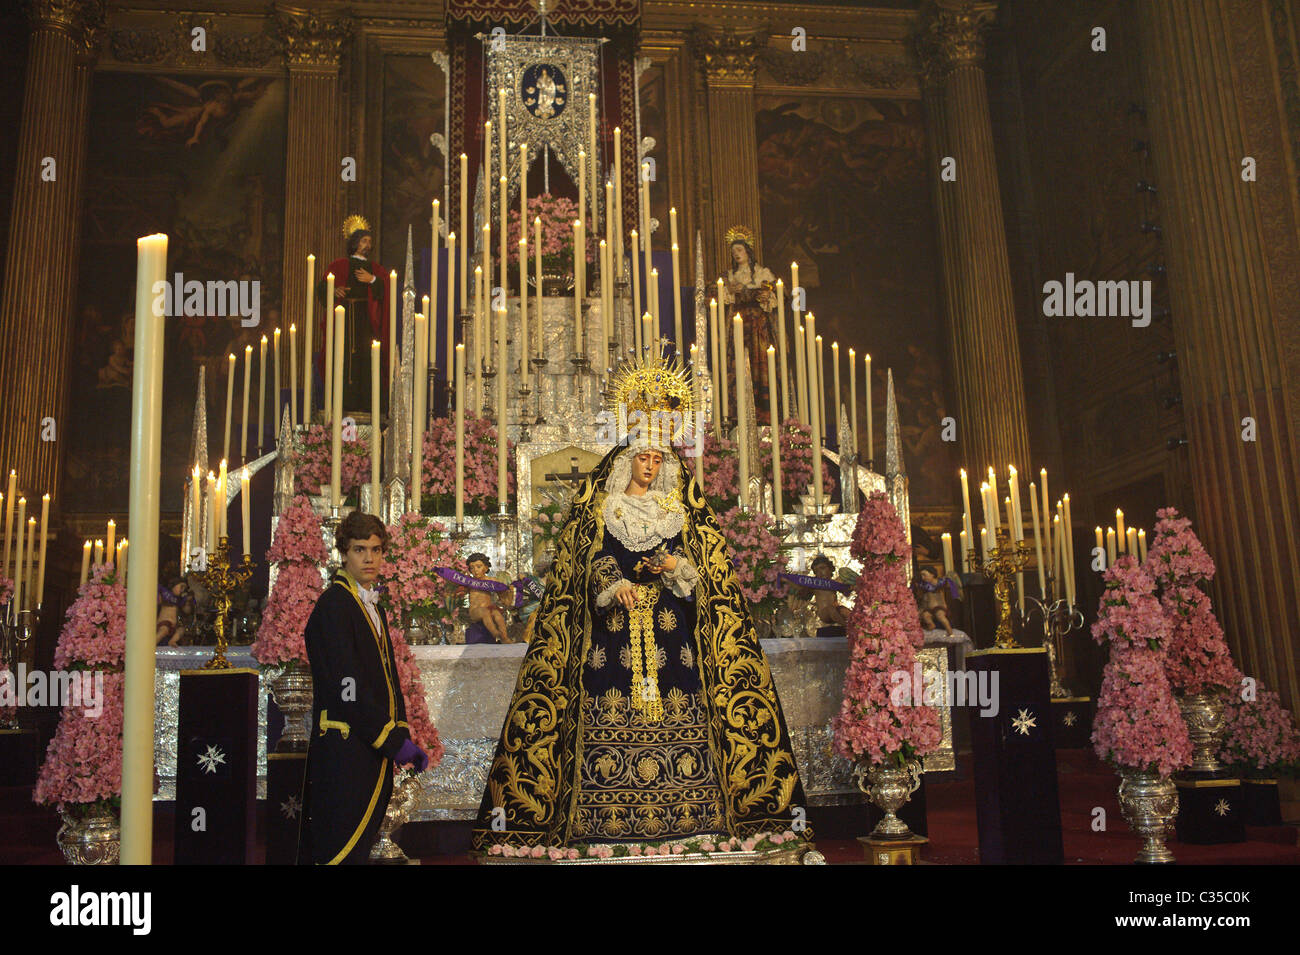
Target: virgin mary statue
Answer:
[[644, 709]]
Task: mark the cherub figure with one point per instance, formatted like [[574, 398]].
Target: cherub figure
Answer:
[[484, 607]]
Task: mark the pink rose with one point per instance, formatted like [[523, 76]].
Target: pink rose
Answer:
[[571, 854], [634, 850]]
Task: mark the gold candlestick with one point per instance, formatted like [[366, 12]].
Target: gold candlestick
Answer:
[[221, 580], [1005, 560]]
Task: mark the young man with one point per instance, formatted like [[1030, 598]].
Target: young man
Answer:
[[358, 714]]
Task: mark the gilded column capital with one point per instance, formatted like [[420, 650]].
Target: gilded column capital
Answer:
[[82, 20], [729, 56], [312, 38], [951, 34]]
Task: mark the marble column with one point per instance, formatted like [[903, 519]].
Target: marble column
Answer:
[[1212, 72], [978, 300], [37, 303], [314, 187], [729, 58]]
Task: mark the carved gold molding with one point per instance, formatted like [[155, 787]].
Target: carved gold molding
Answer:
[[172, 45], [82, 20], [729, 55], [838, 63], [311, 38], [951, 35]]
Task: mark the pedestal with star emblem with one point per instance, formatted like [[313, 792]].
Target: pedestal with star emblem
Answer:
[[1017, 805], [1210, 811], [1072, 722], [216, 767]]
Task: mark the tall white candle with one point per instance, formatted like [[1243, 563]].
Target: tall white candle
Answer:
[[211, 525], [261, 393], [719, 410], [1121, 538], [336, 418], [645, 221], [871, 435], [454, 306], [618, 202], [245, 511], [776, 436], [460, 434], [814, 407], [99, 554], [742, 433], [110, 535], [947, 555], [39, 592], [308, 325], [965, 540], [142, 596], [636, 297], [85, 564], [591, 151], [1068, 526], [800, 375], [275, 386], [327, 399], [1017, 520], [502, 408], [827, 427], [10, 499], [582, 183], [293, 376], [968, 523], [1110, 547], [537, 280], [18, 555], [461, 263], [419, 415], [248, 374], [230, 403], [837, 398], [523, 205], [434, 242], [198, 537], [1047, 512], [524, 341], [375, 489], [1038, 544], [680, 340], [577, 287], [392, 304], [853, 400], [655, 333]]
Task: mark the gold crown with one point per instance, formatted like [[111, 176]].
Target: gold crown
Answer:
[[354, 222], [739, 233], [658, 388]]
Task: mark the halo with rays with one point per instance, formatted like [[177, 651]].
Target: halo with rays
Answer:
[[658, 388]]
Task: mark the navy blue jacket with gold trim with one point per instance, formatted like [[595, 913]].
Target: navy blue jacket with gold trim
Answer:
[[358, 726]]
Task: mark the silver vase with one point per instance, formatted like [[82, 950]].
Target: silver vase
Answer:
[[91, 839], [1203, 715], [292, 690], [400, 804], [889, 787], [1149, 803]]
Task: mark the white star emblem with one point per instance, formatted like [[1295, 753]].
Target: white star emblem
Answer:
[[289, 808], [1069, 719], [1024, 722], [210, 760], [1221, 807]]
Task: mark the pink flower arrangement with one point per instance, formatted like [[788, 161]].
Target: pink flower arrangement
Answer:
[[299, 550], [1198, 660], [1261, 737], [416, 548], [877, 723], [757, 555], [423, 733], [83, 763], [1130, 615], [1138, 724], [311, 463], [438, 482], [796, 460], [721, 470], [6, 589], [557, 214]]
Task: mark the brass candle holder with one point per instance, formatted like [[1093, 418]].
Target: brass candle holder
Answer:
[[221, 580], [1006, 559], [1059, 618]]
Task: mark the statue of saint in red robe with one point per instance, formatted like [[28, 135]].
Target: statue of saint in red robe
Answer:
[[360, 286]]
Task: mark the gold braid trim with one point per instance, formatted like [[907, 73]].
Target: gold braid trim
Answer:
[[645, 662]]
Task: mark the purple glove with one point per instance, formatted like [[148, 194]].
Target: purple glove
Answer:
[[412, 755]]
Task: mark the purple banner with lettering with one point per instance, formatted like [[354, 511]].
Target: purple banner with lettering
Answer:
[[473, 583], [815, 583]]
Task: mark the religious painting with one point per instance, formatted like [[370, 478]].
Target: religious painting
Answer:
[[200, 158], [414, 171], [654, 124], [844, 191]]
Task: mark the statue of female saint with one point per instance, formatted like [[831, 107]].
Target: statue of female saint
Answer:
[[644, 710], [750, 290]]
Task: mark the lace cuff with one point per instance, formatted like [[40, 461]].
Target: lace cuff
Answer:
[[606, 579], [683, 577], [606, 597]]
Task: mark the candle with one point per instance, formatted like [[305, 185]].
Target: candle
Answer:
[[523, 307], [503, 234], [1132, 538], [1016, 518], [785, 368], [31, 598], [853, 402], [460, 435], [327, 399], [210, 528], [801, 375], [1058, 560], [110, 535], [275, 386], [984, 545], [984, 503], [871, 438], [776, 435], [1068, 526], [245, 511], [582, 184], [608, 277], [827, 429], [645, 219], [230, 403], [336, 419], [293, 376], [501, 116], [454, 306], [122, 558], [1038, 543], [677, 282], [742, 432], [308, 325], [722, 355], [392, 299], [261, 393], [433, 297], [10, 497], [995, 517], [636, 298], [484, 291], [502, 399], [965, 552], [656, 325], [578, 256], [1110, 547], [796, 301], [606, 316], [1047, 511], [99, 552], [537, 279], [1100, 544], [618, 198], [1011, 519], [1120, 538], [947, 555], [697, 385], [40, 560], [523, 202], [1142, 545], [835, 391], [719, 411], [18, 555], [480, 329], [419, 415], [647, 336], [85, 564], [464, 230], [1011, 549], [591, 149], [376, 349], [810, 347], [222, 495], [965, 503]]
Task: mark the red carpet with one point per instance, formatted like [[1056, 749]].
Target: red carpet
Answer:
[[27, 831]]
